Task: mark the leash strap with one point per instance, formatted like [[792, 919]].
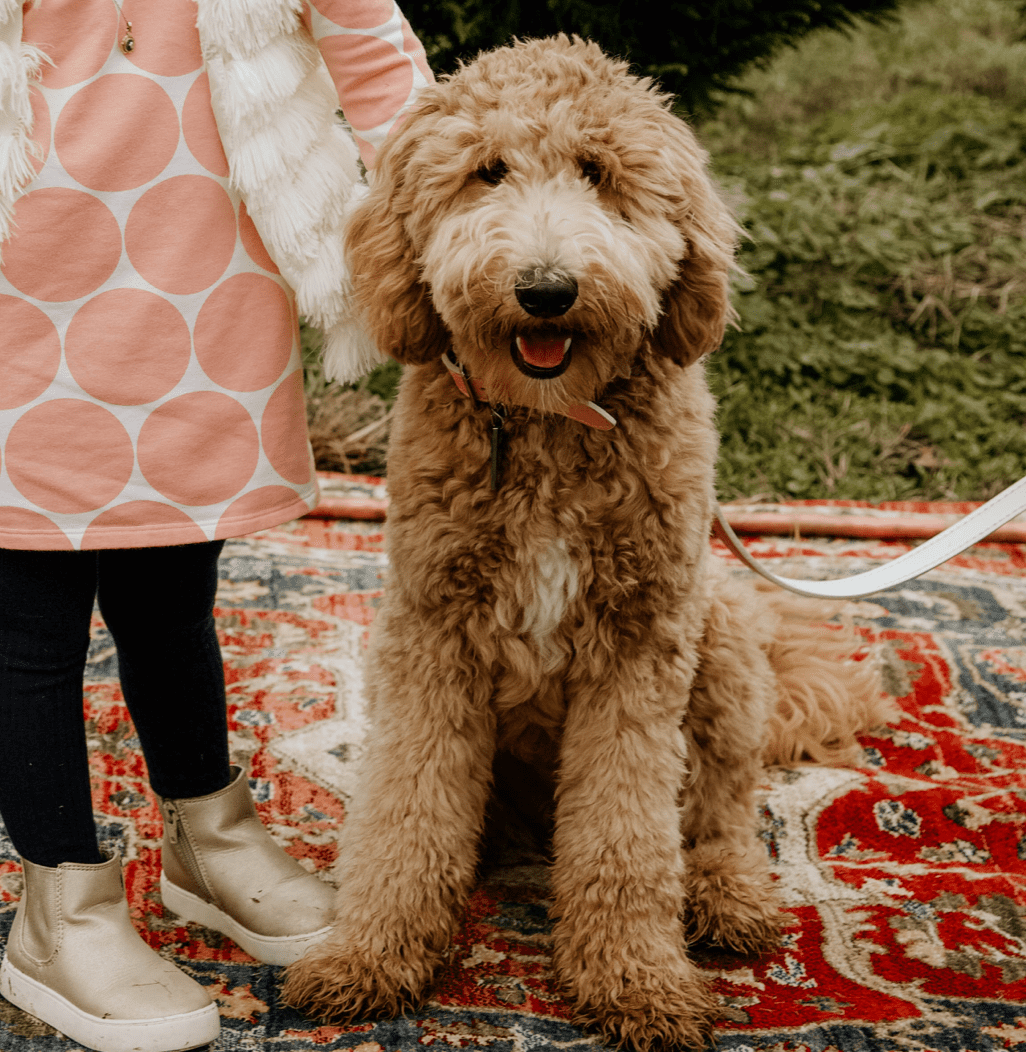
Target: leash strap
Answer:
[[975, 527]]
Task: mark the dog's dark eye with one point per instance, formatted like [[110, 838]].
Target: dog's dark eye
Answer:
[[591, 171], [493, 173]]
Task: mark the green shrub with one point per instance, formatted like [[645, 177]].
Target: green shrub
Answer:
[[693, 49]]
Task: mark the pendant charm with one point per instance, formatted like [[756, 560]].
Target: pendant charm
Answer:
[[128, 41]]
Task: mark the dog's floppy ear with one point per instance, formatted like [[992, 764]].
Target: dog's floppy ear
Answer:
[[696, 307], [394, 304]]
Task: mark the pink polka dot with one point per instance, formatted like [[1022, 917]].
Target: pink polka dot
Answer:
[[200, 128], [30, 352], [244, 333], [413, 47], [77, 35], [29, 529], [368, 153], [69, 456], [372, 77], [199, 448], [261, 502], [41, 128], [252, 243], [283, 430], [148, 521], [66, 246], [180, 234], [356, 14], [117, 133], [397, 124], [127, 347], [166, 38]]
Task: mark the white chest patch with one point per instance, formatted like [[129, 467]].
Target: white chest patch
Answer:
[[555, 582]]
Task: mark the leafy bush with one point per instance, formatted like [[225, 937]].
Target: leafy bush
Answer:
[[694, 50]]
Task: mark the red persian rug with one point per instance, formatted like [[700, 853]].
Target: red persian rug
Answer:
[[906, 878]]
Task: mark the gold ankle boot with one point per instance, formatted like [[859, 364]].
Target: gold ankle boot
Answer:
[[222, 869], [75, 961]]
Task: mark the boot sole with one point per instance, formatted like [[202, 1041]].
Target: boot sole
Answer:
[[268, 949], [175, 1033]]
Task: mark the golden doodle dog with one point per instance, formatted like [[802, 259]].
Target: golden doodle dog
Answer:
[[543, 248]]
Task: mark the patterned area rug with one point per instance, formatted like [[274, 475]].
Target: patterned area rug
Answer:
[[906, 878]]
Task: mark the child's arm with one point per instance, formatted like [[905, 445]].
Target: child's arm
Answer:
[[377, 63]]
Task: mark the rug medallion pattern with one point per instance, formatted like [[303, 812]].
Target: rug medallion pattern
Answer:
[[906, 878]]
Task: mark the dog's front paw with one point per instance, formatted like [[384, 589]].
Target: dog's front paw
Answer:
[[653, 1016], [338, 986], [732, 908]]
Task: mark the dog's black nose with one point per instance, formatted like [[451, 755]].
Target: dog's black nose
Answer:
[[546, 297]]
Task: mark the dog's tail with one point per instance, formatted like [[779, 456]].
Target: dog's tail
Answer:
[[828, 684]]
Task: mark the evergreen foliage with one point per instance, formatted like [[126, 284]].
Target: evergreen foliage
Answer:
[[693, 49]]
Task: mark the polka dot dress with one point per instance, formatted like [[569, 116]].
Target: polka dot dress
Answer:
[[151, 389]]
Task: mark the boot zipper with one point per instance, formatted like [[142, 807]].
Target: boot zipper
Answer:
[[179, 837]]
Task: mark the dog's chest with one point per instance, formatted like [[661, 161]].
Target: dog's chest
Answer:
[[552, 582]]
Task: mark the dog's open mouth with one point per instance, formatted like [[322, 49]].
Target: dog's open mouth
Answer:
[[542, 357]]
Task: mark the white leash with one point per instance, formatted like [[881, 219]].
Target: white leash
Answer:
[[975, 527]]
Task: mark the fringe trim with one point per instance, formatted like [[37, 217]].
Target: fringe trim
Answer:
[[19, 65], [290, 158], [349, 352], [241, 28]]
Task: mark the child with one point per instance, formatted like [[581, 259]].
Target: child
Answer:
[[151, 406]]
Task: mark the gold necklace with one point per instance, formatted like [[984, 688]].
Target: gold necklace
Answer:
[[127, 41]]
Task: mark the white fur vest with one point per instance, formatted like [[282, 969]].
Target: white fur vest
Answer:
[[289, 156]]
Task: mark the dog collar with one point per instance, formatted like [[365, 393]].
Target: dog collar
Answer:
[[583, 412]]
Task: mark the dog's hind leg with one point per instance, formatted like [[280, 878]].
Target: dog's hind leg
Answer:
[[617, 876], [409, 843], [728, 890]]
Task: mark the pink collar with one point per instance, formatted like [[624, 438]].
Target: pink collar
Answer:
[[583, 412]]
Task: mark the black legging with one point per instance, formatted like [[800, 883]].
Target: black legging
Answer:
[[158, 604]]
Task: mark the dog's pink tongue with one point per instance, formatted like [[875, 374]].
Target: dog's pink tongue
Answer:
[[544, 354]]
